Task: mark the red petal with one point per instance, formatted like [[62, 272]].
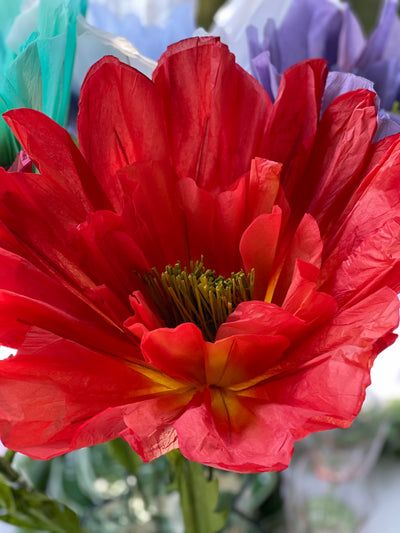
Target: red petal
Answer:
[[260, 318], [52, 389], [178, 352], [214, 224], [304, 301], [342, 142], [306, 245], [344, 137], [30, 297], [104, 249], [159, 220], [228, 434], [114, 128], [150, 424], [56, 156], [374, 263], [293, 121], [258, 247], [263, 188], [203, 90], [239, 359], [39, 214], [376, 202]]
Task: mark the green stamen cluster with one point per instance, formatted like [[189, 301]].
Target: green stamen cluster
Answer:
[[197, 295]]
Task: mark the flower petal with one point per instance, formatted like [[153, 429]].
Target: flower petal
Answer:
[[236, 360], [151, 195], [178, 352], [293, 121], [260, 318], [258, 247], [114, 134], [47, 397], [201, 91], [374, 263], [227, 433], [345, 134], [54, 153], [33, 298]]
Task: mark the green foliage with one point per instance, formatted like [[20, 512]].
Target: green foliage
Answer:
[[125, 455], [199, 498], [367, 12], [206, 11], [24, 506]]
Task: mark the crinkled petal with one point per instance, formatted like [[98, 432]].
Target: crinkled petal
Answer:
[[200, 91], [229, 434], [375, 202], [54, 153], [293, 121], [260, 318], [344, 136], [47, 397], [115, 135], [374, 263]]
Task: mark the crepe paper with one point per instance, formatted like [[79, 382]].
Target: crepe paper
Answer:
[[209, 270]]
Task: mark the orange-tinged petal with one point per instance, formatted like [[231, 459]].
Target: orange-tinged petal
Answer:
[[238, 359], [258, 247], [178, 352], [264, 187]]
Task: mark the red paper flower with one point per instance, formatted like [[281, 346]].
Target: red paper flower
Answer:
[[274, 235]]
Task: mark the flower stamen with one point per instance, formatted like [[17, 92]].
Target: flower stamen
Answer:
[[197, 295]]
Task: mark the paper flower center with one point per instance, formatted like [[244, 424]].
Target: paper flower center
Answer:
[[197, 295]]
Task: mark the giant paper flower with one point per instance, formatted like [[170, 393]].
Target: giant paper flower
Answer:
[[210, 271]]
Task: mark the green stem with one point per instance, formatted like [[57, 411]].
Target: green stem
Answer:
[[199, 497], [9, 456], [7, 471]]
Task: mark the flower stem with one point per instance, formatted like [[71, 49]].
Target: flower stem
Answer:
[[6, 469], [199, 497], [9, 456]]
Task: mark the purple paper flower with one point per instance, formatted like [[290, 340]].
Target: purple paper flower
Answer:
[[329, 29]]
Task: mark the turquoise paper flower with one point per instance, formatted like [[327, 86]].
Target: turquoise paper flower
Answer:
[[8, 12], [37, 57]]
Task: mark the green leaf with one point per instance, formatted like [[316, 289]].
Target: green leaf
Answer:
[[125, 455], [6, 498], [24, 506], [29, 508], [199, 498]]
